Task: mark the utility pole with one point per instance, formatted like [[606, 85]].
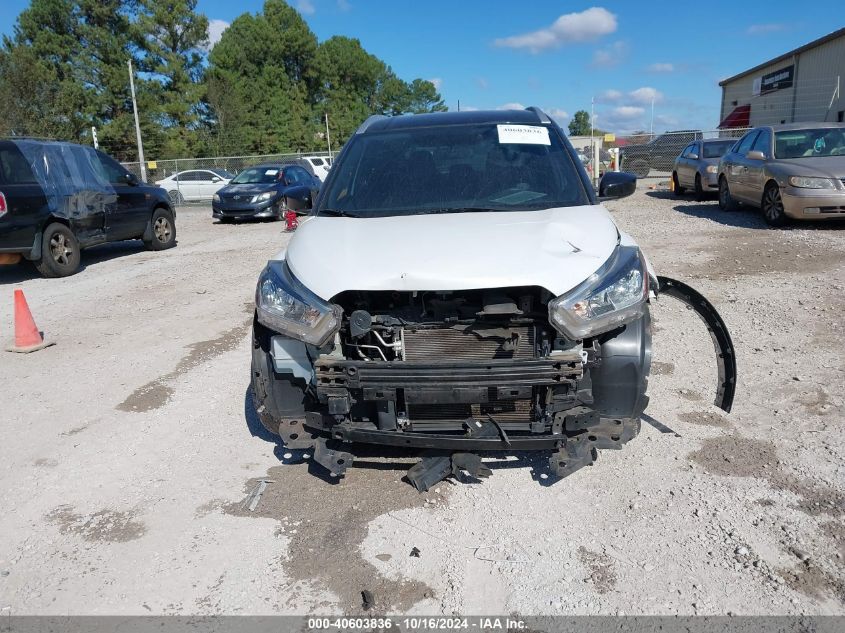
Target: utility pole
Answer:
[[652, 117], [328, 138], [137, 125], [94, 137]]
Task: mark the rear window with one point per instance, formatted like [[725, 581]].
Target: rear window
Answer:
[[14, 169], [717, 150]]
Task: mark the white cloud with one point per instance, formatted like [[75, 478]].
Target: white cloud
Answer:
[[762, 29], [610, 55], [626, 113], [586, 26], [305, 7], [645, 95], [344, 5], [561, 116], [661, 67], [215, 31], [511, 106], [437, 81], [609, 96]]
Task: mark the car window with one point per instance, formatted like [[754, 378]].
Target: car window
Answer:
[[316, 161], [14, 169], [763, 142], [263, 174], [304, 178], [453, 168], [222, 173], [189, 176], [717, 149], [687, 151], [810, 143], [109, 169], [205, 176], [747, 141]]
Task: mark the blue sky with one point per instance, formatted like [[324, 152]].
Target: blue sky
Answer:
[[558, 54]]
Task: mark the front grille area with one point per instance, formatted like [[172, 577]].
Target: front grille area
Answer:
[[503, 411], [468, 343]]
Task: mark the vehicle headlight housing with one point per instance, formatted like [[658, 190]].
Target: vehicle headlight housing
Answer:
[[216, 197], [285, 306], [809, 182], [263, 197], [613, 295], [712, 169]]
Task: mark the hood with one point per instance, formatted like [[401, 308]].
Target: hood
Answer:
[[247, 189], [554, 248], [823, 166]]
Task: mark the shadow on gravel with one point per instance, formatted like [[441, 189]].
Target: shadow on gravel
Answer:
[[24, 271], [744, 218]]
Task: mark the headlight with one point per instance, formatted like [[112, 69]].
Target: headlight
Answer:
[[263, 197], [216, 197], [286, 306], [712, 169], [612, 296], [806, 182]]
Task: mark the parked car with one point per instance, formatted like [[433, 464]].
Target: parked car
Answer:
[[320, 166], [788, 171], [658, 154], [489, 302], [195, 184], [697, 167], [265, 191], [58, 198]]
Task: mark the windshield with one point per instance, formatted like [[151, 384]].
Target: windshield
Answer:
[[453, 168], [717, 150], [809, 143], [257, 175]]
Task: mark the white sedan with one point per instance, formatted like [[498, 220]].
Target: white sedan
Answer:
[[195, 184]]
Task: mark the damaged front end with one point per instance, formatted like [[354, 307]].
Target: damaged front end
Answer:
[[458, 372]]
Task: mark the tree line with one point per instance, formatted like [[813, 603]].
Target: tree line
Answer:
[[265, 87]]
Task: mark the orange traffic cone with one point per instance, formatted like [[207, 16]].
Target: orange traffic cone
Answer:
[[27, 336]]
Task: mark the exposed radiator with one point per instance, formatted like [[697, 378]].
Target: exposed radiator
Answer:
[[466, 343]]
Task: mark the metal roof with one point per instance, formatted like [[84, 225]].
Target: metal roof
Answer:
[[786, 56]]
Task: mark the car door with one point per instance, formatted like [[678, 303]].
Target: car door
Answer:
[[298, 183], [686, 165], [127, 217], [755, 168], [737, 167], [191, 184], [25, 202]]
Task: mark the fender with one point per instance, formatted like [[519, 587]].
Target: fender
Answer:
[[725, 354]]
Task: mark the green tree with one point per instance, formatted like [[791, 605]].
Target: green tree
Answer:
[[580, 124], [172, 37]]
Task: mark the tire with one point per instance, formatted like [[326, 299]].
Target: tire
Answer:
[[772, 206], [726, 201], [162, 231], [699, 190], [676, 187], [175, 197], [60, 252], [640, 168]]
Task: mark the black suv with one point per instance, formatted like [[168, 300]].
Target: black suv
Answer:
[[58, 198], [659, 153]]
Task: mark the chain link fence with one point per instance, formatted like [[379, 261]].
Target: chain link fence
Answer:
[[653, 155], [196, 180]]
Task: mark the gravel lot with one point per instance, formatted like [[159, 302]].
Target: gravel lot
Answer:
[[130, 446]]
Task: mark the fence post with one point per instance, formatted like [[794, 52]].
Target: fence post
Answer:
[[178, 190]]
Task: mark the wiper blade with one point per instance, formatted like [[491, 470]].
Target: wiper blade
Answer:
[[338, 213], [460, 210]]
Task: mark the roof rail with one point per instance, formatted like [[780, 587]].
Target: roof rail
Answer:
[[544, 118], [370, 120]]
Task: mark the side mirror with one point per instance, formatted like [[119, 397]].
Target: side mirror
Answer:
[[216, 179], [693, 156], [131, 179], [616, 184], [299, 204], [755, 155]]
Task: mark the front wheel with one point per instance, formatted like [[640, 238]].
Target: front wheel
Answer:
[[60, 253], [162, 231], [676, 186], [699, 190], [772, 206]]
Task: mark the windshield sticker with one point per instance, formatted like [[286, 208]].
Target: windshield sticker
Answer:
[[524, 134], [271, 172]]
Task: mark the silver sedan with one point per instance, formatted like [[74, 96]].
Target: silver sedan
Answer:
[[788, 171], [697, 167]]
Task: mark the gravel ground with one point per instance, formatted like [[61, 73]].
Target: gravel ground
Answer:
[[130, 447]]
